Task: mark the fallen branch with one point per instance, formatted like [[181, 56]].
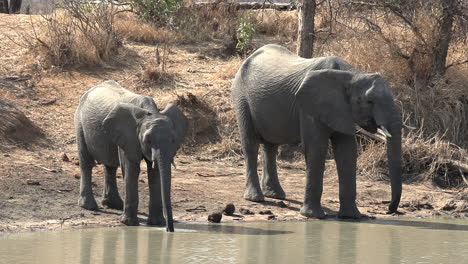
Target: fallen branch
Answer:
[[36, 165], [456, 164], [200, 208], [216, 175]]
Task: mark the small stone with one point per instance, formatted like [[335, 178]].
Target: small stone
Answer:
[[449, 206], [265, 212], [32, 182], [246, 211], [64, 157], [77, 176], [229, 209], [281, 204], [271, 217], [215, 217]]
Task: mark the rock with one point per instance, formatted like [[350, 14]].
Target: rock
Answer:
[[281, 204], [64, 157], [246, 211], [229, 209], [265, 212], [450, 206], [32, 182], [77, 176], [271, 217], [215, 217]]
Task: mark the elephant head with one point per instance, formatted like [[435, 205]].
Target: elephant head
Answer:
[[150, 135], [341, 99]]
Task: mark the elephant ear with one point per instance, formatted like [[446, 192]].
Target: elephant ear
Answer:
[[179, 121], [323, 95], [121, 125]]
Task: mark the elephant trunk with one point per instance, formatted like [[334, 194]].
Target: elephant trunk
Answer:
[[164, 163], [394, 164]]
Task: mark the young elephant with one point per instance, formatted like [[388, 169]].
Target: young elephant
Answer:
[[281, 98], [115, 126]]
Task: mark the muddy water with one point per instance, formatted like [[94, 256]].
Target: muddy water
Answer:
[[393, 241]]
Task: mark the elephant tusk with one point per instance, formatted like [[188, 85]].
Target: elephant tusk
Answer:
[[382, 130], [155, 165], [409, 127], [173, 164]]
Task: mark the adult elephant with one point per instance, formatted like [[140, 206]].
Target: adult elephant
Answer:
[[281, 98], [115, 126]]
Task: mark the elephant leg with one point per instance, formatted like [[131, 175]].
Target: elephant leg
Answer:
[[155, 215], [132, 172], [344, 149], [315, 138], [250, 145], [111, 193], [86, 199], [270, 183]]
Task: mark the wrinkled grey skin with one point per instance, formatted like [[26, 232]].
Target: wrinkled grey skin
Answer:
[[280, 98], [117, 127]]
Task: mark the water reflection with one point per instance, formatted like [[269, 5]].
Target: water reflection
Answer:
[[297, 242]]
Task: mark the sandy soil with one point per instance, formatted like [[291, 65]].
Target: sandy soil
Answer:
[[39, 190]]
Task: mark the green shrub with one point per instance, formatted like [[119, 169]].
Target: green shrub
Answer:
[[245, 33], [157, 11]]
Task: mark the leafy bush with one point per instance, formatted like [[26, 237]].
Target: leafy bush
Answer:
[[245, 33], [157, 11]]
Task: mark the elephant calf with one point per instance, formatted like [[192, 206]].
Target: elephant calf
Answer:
[[115, 126], [281, 98]]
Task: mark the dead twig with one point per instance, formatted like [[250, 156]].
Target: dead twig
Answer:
[[215, 175], [36, 165], [200, 208]]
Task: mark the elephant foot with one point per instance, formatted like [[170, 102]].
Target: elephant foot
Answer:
[[156, 221], [349, 212], [254, 196], [114, 202], [88, 203], [130, 221], [276, 193], [313, 212]]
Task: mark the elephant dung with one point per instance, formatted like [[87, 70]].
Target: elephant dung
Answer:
[[215, 217], [246, 211], [265, 212], [64, 157], [229, 209]]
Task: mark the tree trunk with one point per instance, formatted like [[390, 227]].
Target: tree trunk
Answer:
[[444, 37], [305, 35], [15, 6], [4, 6]]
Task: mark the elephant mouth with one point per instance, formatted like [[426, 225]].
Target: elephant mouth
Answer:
[[370, 126]]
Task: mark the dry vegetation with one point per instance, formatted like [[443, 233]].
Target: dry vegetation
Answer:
[[191, 62], [439, 111]]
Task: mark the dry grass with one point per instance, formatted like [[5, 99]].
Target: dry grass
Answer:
[[76, 35], [279, 24], [424, 159], [131, 28], [206, 22], [155, 74], [229, 71]]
